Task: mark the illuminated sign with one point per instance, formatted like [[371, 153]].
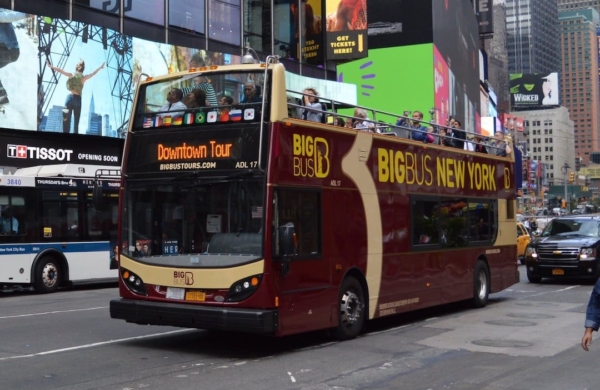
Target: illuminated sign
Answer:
[[346, 29], [181, 150], [531, 90]]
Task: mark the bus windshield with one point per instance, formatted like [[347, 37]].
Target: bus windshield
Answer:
[[200, 98], [191, 222]]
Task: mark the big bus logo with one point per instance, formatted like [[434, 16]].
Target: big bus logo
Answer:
[[181, 278], [311, 156]]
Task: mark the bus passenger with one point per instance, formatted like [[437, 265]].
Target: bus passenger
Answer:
[[174, 103], [250, 95], [502, 148], [225, 103], [202, 83], [196, 98], [418, 132], [311, 101]]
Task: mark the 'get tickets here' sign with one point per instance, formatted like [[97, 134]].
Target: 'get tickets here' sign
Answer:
[[346, 29]]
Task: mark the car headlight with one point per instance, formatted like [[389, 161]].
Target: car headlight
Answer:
[[587, 254], [530, 251]]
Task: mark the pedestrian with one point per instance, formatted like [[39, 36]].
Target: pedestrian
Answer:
[[592, 317]]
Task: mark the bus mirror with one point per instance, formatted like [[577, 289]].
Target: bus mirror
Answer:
[[287, 245], [98, 196]]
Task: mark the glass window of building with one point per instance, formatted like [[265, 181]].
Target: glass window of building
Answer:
[[151, 11], [110, 6], [187, 15], [224, 21]]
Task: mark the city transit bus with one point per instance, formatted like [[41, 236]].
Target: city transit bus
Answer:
[[52, 232], [267, 223]]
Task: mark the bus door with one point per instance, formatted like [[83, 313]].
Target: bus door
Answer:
[[305, 288]]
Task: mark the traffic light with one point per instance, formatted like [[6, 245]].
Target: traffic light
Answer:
[[571, 177]]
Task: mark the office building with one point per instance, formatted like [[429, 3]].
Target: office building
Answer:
[[579, 81], [532, 36]]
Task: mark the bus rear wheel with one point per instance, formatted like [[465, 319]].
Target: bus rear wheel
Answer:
[[481, 285], [352, 310], [47, 276]]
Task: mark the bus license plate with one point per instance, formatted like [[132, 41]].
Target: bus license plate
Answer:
[[195, 296], [558, 271], [175, 293]]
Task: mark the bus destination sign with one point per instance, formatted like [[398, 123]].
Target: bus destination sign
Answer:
[[225, 149]]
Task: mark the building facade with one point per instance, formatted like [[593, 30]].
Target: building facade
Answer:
[[579, 81], [532, 36], [549, 138]]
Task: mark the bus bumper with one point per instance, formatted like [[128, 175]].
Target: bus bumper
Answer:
[[201, 317]]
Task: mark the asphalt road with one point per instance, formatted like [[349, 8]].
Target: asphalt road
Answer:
[[526, 338]]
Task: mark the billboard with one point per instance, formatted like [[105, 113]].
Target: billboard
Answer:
[[485, 17], [393, 86], [456, 39], [346, 29], [63, 76], [399, 23], [533, 90]]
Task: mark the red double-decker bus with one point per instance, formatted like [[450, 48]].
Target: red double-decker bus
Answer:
[[245, 217]]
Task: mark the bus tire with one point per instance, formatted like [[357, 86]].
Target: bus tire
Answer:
[[47, 275], [352, 309], [481, 284]]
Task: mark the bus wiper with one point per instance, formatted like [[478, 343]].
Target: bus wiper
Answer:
[[212, 180]]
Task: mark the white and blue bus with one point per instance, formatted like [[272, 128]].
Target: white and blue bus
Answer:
[[52, 232]]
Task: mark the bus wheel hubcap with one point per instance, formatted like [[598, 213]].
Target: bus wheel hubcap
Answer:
[[350, 308], [482, 284], [49, 274]]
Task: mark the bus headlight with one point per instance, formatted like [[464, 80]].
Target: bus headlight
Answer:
[[587, 254], [531, 252], [133, 282], [242, 289]]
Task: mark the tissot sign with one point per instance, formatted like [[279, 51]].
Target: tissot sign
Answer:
[[23, 149]]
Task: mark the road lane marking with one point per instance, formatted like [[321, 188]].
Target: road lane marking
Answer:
[[53, 312], [85, 346]]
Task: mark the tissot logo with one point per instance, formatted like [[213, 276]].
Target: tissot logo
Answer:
[[34, 152]]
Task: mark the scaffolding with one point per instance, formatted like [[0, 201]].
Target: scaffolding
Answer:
[[57, 37]]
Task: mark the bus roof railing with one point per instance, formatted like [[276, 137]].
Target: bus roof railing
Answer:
[[379, 126]]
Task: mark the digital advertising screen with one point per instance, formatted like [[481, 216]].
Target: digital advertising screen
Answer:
[[534, 90], [346, 29], [63, 76], [406, 84]]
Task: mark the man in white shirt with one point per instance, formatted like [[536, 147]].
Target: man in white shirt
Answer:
[[174, 103]]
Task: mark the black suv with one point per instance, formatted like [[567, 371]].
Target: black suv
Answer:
[[568, 247]]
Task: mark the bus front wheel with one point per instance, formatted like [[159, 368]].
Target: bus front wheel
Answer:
[[352, 309], [481, 285], [47, 276]]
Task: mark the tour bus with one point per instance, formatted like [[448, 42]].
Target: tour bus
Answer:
[[263, 222], [52, 230]]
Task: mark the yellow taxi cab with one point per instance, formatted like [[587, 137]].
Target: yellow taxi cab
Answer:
[[523, 239]]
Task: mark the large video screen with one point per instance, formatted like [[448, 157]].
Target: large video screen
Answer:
[[69, 77], [406, 84], [533, 90]]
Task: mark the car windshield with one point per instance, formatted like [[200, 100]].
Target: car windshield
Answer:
[[566, 227], [191, 222]]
